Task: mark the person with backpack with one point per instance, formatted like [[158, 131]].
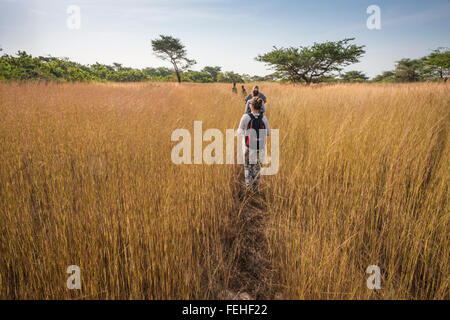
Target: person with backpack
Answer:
[[255, 127], [255, 93]]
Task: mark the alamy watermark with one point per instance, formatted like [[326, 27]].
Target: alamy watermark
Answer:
[[73, 21], [374, 20], [374, 280], [74, 280], [213, 153]]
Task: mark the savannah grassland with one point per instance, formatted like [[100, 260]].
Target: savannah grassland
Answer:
[[86, 179]]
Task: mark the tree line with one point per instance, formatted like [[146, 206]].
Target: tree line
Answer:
[[24, 66], [435, 66], [324, 62], [320, 62]]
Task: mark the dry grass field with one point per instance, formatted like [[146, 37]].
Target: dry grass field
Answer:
[[86, 179]]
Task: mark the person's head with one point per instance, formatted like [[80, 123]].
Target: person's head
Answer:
[[234, 84], [255, 92], [256, 104]]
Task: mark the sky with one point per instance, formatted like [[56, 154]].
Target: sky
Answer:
[[226, 33]]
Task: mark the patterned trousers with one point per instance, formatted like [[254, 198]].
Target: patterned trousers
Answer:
[[252, 168]]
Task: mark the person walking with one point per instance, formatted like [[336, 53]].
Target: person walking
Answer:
[[244, 92], [258, 94], [255, 127], [234, 89]]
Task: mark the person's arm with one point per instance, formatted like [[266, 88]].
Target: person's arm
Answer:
[[243, 124], [247, 107], [263, 109], [266, 122], [264, 98]]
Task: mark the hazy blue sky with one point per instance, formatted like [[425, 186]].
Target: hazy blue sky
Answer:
[[228, 33]]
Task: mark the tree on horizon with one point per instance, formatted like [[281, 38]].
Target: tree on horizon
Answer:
[[310, 64], [171, 49]]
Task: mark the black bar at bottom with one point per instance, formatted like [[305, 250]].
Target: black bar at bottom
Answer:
[[223, 309]]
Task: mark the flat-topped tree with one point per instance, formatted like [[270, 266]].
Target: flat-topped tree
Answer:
[[409, 70], [171, 49], [354, 76], [212, 71], [309, 64], [437, 63]]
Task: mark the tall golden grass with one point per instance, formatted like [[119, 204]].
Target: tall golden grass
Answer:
[[86, 179]]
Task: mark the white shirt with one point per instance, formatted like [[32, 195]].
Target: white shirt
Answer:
[[243, 130]]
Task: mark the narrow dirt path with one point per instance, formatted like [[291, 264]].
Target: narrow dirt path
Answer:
[[247, 246]]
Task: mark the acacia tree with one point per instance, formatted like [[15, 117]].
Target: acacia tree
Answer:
[[437, 63], [354, 76], [212, 71], [386, 76], [409, 70], [310, 64], [171, 49]]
